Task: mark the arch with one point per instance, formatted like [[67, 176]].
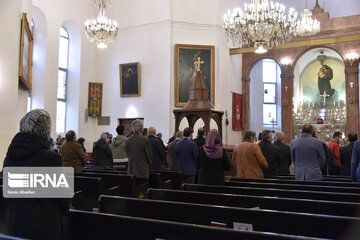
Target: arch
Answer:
[[260, 60], [39, 58], [73, 80]]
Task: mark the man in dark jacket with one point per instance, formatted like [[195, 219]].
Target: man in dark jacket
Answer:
[[346, 153], [158, 150], [284, 152], [200, 140], [187, 151], [271, 154], [34, 218], [174, 163], [102, 152]]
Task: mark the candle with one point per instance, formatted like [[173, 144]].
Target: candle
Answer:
[[339, 103], [334, 103]]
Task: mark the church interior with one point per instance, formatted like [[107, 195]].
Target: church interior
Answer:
[[180, 63]]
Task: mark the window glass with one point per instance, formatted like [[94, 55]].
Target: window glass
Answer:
[[61, 91], [269, 114], [63, 32], [60, 116], [269, 93], [63, 52], [269, 71]]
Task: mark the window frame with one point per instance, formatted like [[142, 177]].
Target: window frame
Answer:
[[276, 93]]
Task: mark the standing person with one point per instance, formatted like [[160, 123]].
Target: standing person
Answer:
[[72, 153], [81, 141], [139, 152], [158, 150], [271, 154], [145, 132], [118, 145], [34, 218], [200, 139], [285, 155], [213, 160], [174, 163], [346, 153], [308, 155], [335, 169], [102, 152], [187, 151], [248, 158]]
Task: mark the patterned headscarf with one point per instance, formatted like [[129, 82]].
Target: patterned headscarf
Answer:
[[37, 122]]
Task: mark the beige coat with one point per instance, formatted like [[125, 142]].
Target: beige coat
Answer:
[[73, 155], [249, 160]]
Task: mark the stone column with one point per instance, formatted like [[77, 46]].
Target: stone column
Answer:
[[245, 104], [287, 82], [352, 96]]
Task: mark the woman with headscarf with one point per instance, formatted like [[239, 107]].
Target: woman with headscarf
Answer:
[[34, 218], [213, 160]]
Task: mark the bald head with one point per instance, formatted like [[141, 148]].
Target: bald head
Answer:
[[152, 131], [307, 128]]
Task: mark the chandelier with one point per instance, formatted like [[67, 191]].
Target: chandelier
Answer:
[[101, 30], [264, 26]]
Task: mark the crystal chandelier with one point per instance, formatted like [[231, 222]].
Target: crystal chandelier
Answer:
[[307, 26], [101, 30], [264, 26]]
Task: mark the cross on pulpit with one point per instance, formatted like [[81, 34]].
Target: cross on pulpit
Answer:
[[273, 123], [197, 64], [324, 95], [351, 84]]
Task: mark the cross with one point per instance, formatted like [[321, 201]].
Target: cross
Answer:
[[273, 123], [197, 64], [351, 84], [286, 88], [324, 96]]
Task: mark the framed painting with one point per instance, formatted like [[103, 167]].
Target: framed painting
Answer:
[[185, 56], [95, 99], [130, 80], [26, 48]]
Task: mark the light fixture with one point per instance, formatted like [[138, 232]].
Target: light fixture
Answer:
[[307, 26], [352, 57], [285, 61], [262, 25], [101, 30]]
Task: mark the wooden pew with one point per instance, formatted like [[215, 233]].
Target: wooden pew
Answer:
[[175, 178], [294, 187], [91, 188], [325, 178], [301, 224], [81, 225], [285, 181], [329, 196], [8, 237], [111, 170], [244, 201], [2, 210]]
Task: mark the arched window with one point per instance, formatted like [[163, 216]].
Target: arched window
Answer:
[[62, 80]]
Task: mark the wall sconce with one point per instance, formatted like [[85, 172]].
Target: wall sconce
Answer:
[[285, 61], [352, 57]]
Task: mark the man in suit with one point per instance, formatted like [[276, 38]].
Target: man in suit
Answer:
[[346, 153], [158, 150], [308, 155], [139, 154], [285, 156], [271, 154], [200, 140], [174, 163], [186, 151]]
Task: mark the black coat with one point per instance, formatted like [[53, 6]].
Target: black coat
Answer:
[[345, 159], [285, 158], [200, 141], [212, 170], [158, 151], [33, 218], [272, 156], [103, 154]]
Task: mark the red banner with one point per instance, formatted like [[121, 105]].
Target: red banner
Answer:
[[237, 112]]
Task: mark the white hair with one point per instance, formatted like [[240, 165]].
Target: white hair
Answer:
[[279, 136], [137, 125]]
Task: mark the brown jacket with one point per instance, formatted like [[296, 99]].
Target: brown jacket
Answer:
[[249, 160], [73, 155]]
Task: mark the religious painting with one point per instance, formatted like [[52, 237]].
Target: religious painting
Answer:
[[95, 99], [26, 48], [130, 80], [237, 112], [185, 70], [323, 85]]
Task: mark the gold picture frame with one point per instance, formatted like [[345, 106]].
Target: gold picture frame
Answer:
[[185, 55], [26, 49], [130, 84]]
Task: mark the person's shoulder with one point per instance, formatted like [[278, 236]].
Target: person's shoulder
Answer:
[[50, 158]]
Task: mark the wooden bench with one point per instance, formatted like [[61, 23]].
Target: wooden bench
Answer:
[[8, 237], [329, 196], [325, 178], [285, 181], [91, 188], [263, 202], [174, 178], [301, 224], [81, 225], [294, 187]]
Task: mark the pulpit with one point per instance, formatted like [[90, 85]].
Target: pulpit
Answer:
[[198, 106]]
